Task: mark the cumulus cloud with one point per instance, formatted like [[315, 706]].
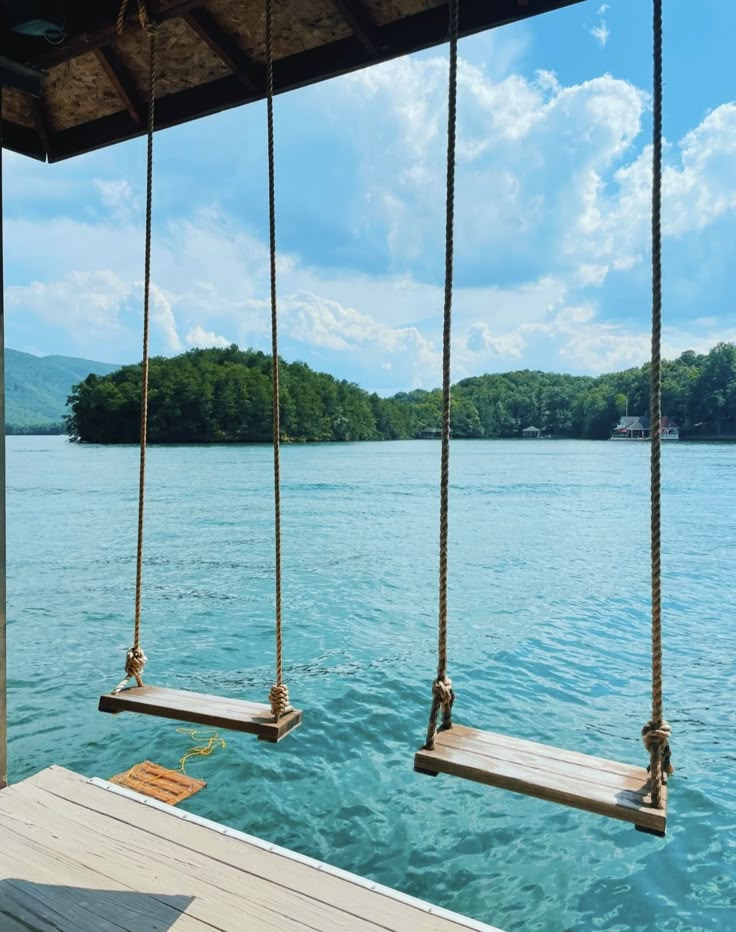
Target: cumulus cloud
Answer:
[[481, 339], [203, 339], [117, 197], [163, 318], [699, 188], [552, 216], [533, 158], [87, 303]]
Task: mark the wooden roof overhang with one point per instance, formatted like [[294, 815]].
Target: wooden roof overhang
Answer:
[[90, 91]]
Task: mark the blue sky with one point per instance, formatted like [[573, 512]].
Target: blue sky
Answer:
[[552, 235]]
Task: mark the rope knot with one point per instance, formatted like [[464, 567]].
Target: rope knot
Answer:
[[279, 699], [444, 694], [135, 661], [443, 690], [656, 737], [147, 24]]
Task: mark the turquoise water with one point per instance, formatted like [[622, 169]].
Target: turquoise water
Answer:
[[549, 640]]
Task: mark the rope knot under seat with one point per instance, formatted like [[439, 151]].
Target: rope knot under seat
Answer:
[[135, 661], [444, 694], [279, 699], [657, 735]]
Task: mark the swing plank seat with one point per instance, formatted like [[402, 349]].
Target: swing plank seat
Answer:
[[255, 718], [620, 791]]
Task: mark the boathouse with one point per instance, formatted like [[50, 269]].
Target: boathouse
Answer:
[[639, 428], [531, 433]]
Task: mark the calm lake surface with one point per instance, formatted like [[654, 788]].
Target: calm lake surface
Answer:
[[549, 639]]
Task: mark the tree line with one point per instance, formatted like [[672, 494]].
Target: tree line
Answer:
[[224, 395]]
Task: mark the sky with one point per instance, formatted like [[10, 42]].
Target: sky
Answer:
[[552, 213]]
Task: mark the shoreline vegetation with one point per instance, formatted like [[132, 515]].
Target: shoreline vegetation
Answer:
[[224, 396]]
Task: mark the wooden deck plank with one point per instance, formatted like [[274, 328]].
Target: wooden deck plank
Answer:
[[217, 890], [27, 905], [71, 895], [280, 871], [202, 709], [150, 845], [473, 755]]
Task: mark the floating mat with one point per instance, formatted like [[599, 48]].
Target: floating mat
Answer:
[[167, 786]]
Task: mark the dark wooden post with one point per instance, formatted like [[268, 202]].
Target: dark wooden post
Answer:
[[3, 655]]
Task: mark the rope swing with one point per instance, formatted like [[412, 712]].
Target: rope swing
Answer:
[[135, 659], [270, 722], [656, 732], [279, 694], [442, 692], [622, 791]]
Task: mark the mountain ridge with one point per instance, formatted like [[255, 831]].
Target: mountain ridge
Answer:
[[37, 387]]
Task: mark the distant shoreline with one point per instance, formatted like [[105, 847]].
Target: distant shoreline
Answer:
[[60, 432]]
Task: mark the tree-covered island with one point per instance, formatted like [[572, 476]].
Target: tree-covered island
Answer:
[[224, 396]]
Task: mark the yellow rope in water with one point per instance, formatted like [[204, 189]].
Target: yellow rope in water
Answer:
[[211, 741]]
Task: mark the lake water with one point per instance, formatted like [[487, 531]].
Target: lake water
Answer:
[[549, 639]]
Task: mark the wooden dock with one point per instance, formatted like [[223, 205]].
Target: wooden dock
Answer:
[[86, 855]]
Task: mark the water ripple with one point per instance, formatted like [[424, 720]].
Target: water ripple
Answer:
[[549, 639]]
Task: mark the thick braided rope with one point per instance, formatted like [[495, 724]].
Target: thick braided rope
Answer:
[[136, 658], [146, 24], [656, 732], [442, 692], [279, 694]]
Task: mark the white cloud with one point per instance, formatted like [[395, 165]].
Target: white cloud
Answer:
[[203, 339], [86, 303], [480, 339], [698, 189], [552, 211], [531, 156], [117, 197], [600, 32], [162, 317]]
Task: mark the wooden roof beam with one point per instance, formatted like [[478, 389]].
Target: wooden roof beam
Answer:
[[40, 123], [121, 80], [20, 77], [361, 22], [419, 31], [101, 34], [225, 47]]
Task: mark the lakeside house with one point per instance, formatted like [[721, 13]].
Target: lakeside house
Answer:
[[639, 428], [430, 433], [531, 433]]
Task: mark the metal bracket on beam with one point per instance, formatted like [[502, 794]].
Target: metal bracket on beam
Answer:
[[20, 77]]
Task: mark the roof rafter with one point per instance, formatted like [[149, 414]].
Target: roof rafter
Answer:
[[41, 124], [122, 81], [103, 33], [226, 49], [361, 22], [194, 93]]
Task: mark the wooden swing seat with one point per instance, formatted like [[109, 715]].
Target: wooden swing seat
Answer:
[[216, 711], [606, 787]]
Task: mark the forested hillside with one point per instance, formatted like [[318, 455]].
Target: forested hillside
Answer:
[[224, 395], [698, 391], [37, 387]]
